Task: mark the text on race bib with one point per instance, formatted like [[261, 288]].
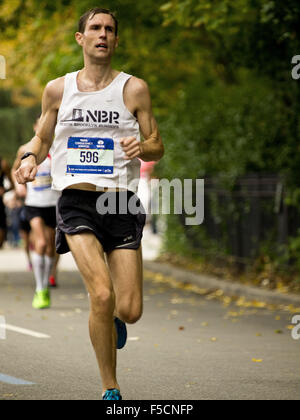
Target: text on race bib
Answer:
[[88, 155]]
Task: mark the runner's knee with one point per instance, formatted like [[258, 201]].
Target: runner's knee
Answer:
[[130, 313], [102, 300], [40, 246]]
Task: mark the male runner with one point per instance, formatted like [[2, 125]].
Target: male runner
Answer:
[[4, 172], [96, 116], [40, 213]]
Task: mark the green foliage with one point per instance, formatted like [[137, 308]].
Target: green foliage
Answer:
[[16, 129], [229, 130]]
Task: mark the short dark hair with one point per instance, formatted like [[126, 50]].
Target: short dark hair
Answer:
[[91, 13]]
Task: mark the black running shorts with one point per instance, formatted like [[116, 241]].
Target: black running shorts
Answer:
[[23, 222], [77, 212], [48, 214], [3, 224]]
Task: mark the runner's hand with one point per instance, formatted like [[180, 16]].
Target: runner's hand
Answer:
[[27, 171], [2, 191], [131, 146]]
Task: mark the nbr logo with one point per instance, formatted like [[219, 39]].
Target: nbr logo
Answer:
[[2, 67]]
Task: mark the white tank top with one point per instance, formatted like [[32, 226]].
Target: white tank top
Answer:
[[39, 192], [86, 147]]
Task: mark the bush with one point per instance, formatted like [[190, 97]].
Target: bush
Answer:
[[228, 131]]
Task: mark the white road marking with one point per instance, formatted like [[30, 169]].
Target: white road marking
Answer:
[[24, 331], [13, 381]]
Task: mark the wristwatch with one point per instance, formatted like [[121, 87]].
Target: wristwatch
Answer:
[[27, 155]]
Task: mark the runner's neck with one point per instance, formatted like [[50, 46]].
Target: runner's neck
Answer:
[[95, 78]]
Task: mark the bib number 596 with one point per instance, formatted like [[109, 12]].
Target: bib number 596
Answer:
[[89, 157]]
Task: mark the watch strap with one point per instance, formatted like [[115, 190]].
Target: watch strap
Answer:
[[27, 155]]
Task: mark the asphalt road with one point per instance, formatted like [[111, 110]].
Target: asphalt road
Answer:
[[186, 347]]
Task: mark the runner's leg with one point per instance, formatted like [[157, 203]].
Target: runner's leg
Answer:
[[126, 268], [49, 254], [40, 245], [25, 237], [89, 256]]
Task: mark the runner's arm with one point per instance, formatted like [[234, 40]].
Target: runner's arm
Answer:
[[42, 141], [152, 148]]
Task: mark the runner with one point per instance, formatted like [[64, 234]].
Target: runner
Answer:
[[95, 116], [24, 225], [4, 172], [40, 213]]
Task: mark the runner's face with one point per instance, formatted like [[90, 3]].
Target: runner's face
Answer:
[[99, 40]]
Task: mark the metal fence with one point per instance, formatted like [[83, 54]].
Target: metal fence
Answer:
[[246, 220]]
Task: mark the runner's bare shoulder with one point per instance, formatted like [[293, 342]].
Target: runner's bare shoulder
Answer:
[[136, 91], [54, 91], [136, 86]]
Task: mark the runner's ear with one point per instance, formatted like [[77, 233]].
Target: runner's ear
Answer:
[[78, 37]]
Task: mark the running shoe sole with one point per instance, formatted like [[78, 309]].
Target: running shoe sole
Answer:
[[121, 333]]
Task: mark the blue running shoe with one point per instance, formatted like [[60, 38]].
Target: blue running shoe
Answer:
[[112, 394], [121, 333]]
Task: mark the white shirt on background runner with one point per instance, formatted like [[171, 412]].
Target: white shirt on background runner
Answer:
[[39, 192]]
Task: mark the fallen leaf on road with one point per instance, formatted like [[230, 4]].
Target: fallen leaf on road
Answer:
[[233, 314], [278, 331], [213, 339], [181, 328], [189, 384], [176, 301], [258, 304], [204, 324], [257, 360]]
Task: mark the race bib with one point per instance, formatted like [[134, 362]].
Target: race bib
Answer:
[[43, 181], [88, 155]]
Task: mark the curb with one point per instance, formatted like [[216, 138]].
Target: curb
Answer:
[[232, 289]]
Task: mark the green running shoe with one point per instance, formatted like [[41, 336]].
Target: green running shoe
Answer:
[[41, 299]]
